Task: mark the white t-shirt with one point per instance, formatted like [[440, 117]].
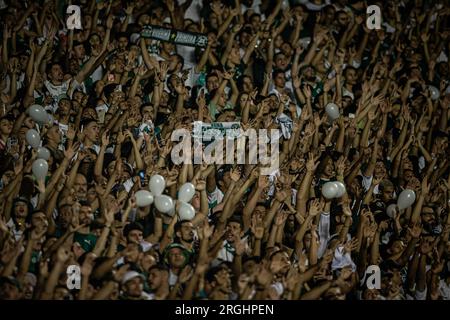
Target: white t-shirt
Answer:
[[57, 90], [193, 11], [173, 278], [12, 228], [255, 7], [215, 197], [444, 289]]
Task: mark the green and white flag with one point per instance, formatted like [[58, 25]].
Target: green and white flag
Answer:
[[175, 36]]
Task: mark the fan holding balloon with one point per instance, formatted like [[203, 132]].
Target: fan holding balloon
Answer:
[[165, 203]]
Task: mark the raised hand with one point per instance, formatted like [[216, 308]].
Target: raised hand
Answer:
[[257, 227], [315, 207]]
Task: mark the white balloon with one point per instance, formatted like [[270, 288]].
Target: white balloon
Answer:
[[329, 190], [186, 211], [406, 199], [435, 94], [391, 210], [143, 198], [33, 138], [163, 203], [332, 110], [186, 192], [341, 189], [171, 212], [43, 153], [40, 169], [157, 185], [304, 42], [38, 113]]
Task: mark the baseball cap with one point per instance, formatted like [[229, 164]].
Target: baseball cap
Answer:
[[186, 253], [86, 241], [131, 275], [11, 280]]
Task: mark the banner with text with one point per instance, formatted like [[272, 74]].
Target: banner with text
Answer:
[[175, 36]]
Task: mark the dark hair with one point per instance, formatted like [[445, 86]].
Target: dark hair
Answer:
[[160, 267], [236, 219], [277, 72], [179, 224], [51, 64], [215, 270], [132, 226]]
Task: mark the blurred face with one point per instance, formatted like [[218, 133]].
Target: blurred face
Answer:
[[280, 80], [212, 83], [28, 286], [21, 210], [64, 107], [259, 211], [7, 177], [329, 169], [186, 232], [56, 73], [329, 15], [54, 135], [396, 247], [147, 113], [120, 65], [350, 76], [176, 258], [256, 22], [91, 195], [235, 56], [307, 240], [233, 230], [9, 291], [39, 220], [223, 280], [79, 51], [86, 215], [278, 41], [65, 216], [380, 170], [247, 84], [92, 131], [165, 98], [408, 175], [123, 42], [89, 113], [388, 193], [222, 99], [94, 41], [147, 261], [155, 278], [135, 236], [99, 85], [168, 47], [60, 293], [243, 100], [134, 287], [280, 263], [428, 215], [342, 19], [132, 253], [286, 49], [5, 127], [281, 61], [80, 187]]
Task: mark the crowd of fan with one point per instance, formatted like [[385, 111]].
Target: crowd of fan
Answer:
[[114, 98]]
